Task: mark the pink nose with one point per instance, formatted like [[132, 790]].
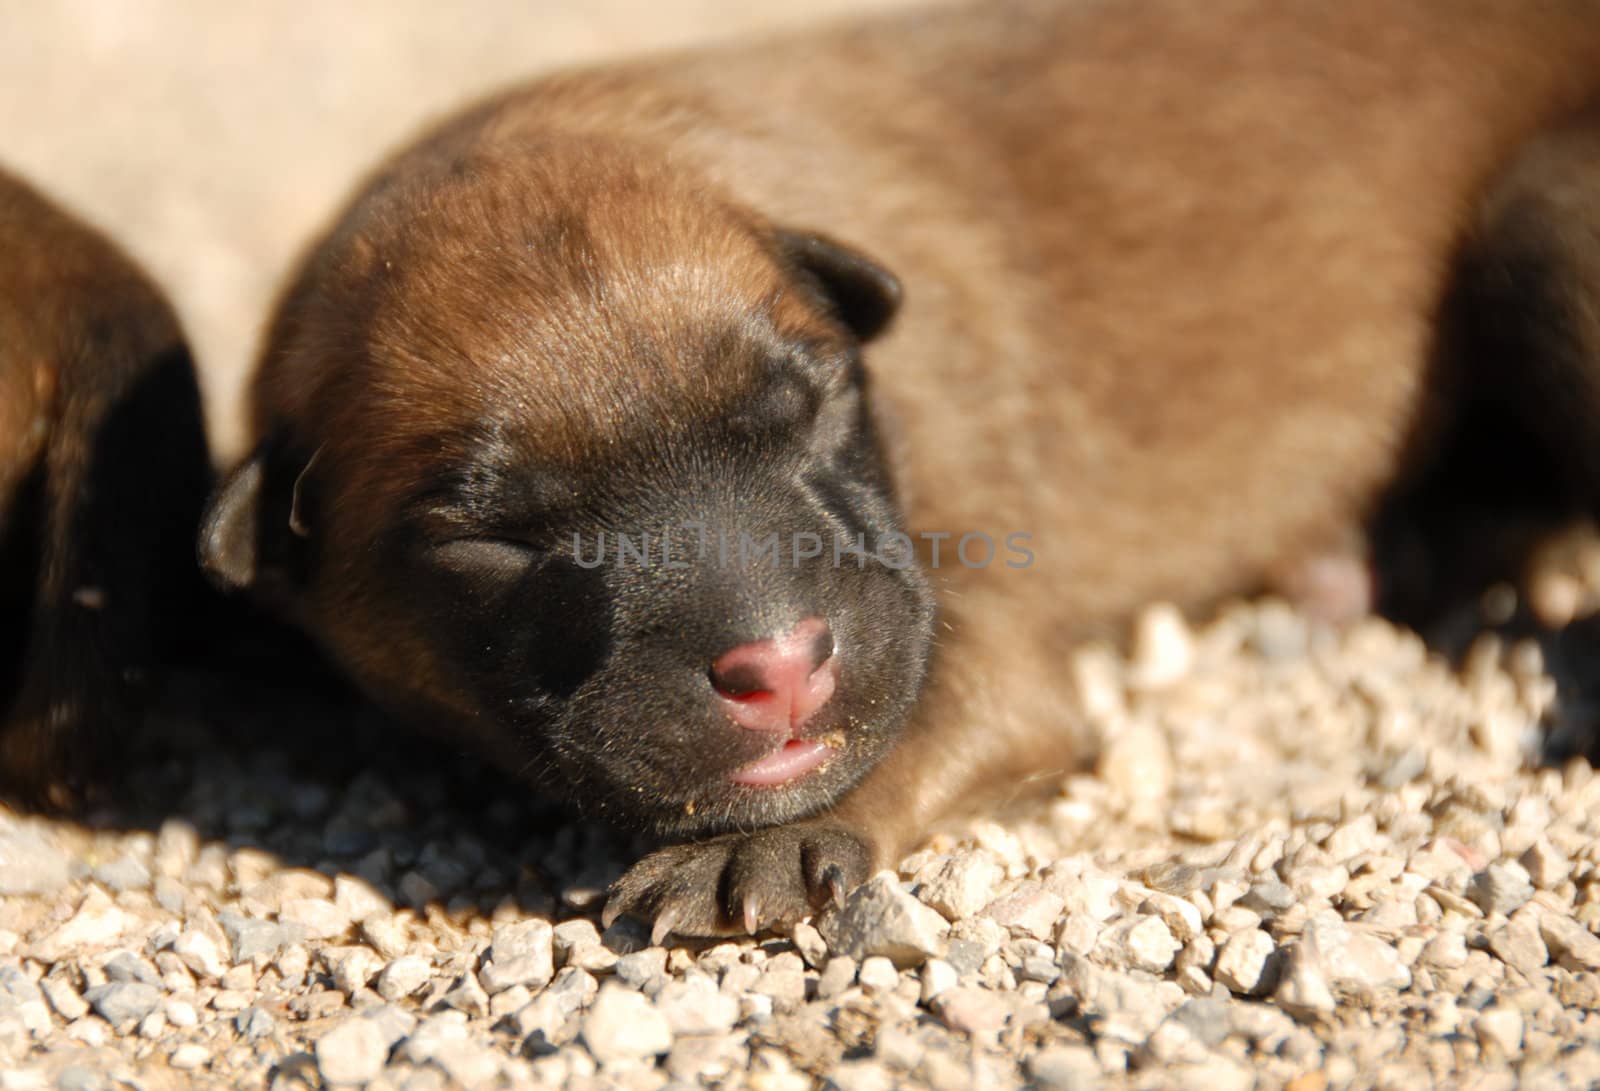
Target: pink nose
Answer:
[[778, 684]]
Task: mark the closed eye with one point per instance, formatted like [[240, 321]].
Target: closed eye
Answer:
[[493, 560]]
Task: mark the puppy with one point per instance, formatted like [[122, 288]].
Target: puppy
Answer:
[[103, 472], [598, 426]]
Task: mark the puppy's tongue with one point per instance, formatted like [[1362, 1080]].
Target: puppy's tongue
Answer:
[[796, 758]]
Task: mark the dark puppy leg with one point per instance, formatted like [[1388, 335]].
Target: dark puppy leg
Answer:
[[1512, 448], [104, 517]]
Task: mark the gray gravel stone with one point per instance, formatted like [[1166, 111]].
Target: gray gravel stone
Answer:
[[880, 918], [1501, 888], [253, 1023], [256, 940], [121, 1003], [125, 966], [126, 872]]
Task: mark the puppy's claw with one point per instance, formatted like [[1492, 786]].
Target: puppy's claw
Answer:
[[665, 922], [742, 883], [835, 878]]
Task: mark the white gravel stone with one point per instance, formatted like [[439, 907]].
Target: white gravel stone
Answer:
[[531, 945], [1137, 762], [467, 996], [190, 1056], [317, 918], [878, 974], [960, 884], [1242, 961], [386, 935], [31, 863], [1163, 648], [354, 1052], [837, 976], [971, 1010], [1331, 956], [696, 1006], [1446, 951], [621, 1024], [1066, 1068], [1030, 908], [938, 976], [96, 925], [1143, 943], [64, 998], [358, 899], [1547, 866], [404, 976], [1501, 1027], [1519, 945], [200, 953], [468, 1064], [572, 936], [1181, 917], [812, 947]]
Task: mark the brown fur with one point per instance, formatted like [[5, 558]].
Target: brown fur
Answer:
[[102, 472], [1173, 273]]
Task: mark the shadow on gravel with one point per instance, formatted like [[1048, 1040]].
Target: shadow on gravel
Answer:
[[268, 750]]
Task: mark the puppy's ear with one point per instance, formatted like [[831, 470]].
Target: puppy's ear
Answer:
[[255, 530], [863, 294]]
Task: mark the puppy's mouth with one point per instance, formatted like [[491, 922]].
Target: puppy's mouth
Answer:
[[794, 760]]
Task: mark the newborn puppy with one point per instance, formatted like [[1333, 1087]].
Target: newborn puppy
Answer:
[[597, 429], [103, 472]]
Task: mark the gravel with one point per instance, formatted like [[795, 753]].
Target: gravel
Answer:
[[1342, 881]]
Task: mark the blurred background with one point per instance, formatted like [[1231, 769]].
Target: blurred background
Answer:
[[211, 140]]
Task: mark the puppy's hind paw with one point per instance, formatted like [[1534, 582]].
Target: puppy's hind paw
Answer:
[[742, 883]]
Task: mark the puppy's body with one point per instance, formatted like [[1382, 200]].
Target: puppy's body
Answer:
[[103, 471], [1173, 284]]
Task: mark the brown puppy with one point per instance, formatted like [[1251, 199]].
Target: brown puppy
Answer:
[[1174, 276], [103, 472]]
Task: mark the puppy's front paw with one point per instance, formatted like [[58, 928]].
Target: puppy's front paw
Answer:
[[49, 760], [742, 882]]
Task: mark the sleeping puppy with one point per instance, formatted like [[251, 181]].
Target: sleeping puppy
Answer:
[[735, 442], [103, 472]]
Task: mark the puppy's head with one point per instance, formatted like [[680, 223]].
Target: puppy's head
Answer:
[[564, 451]]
